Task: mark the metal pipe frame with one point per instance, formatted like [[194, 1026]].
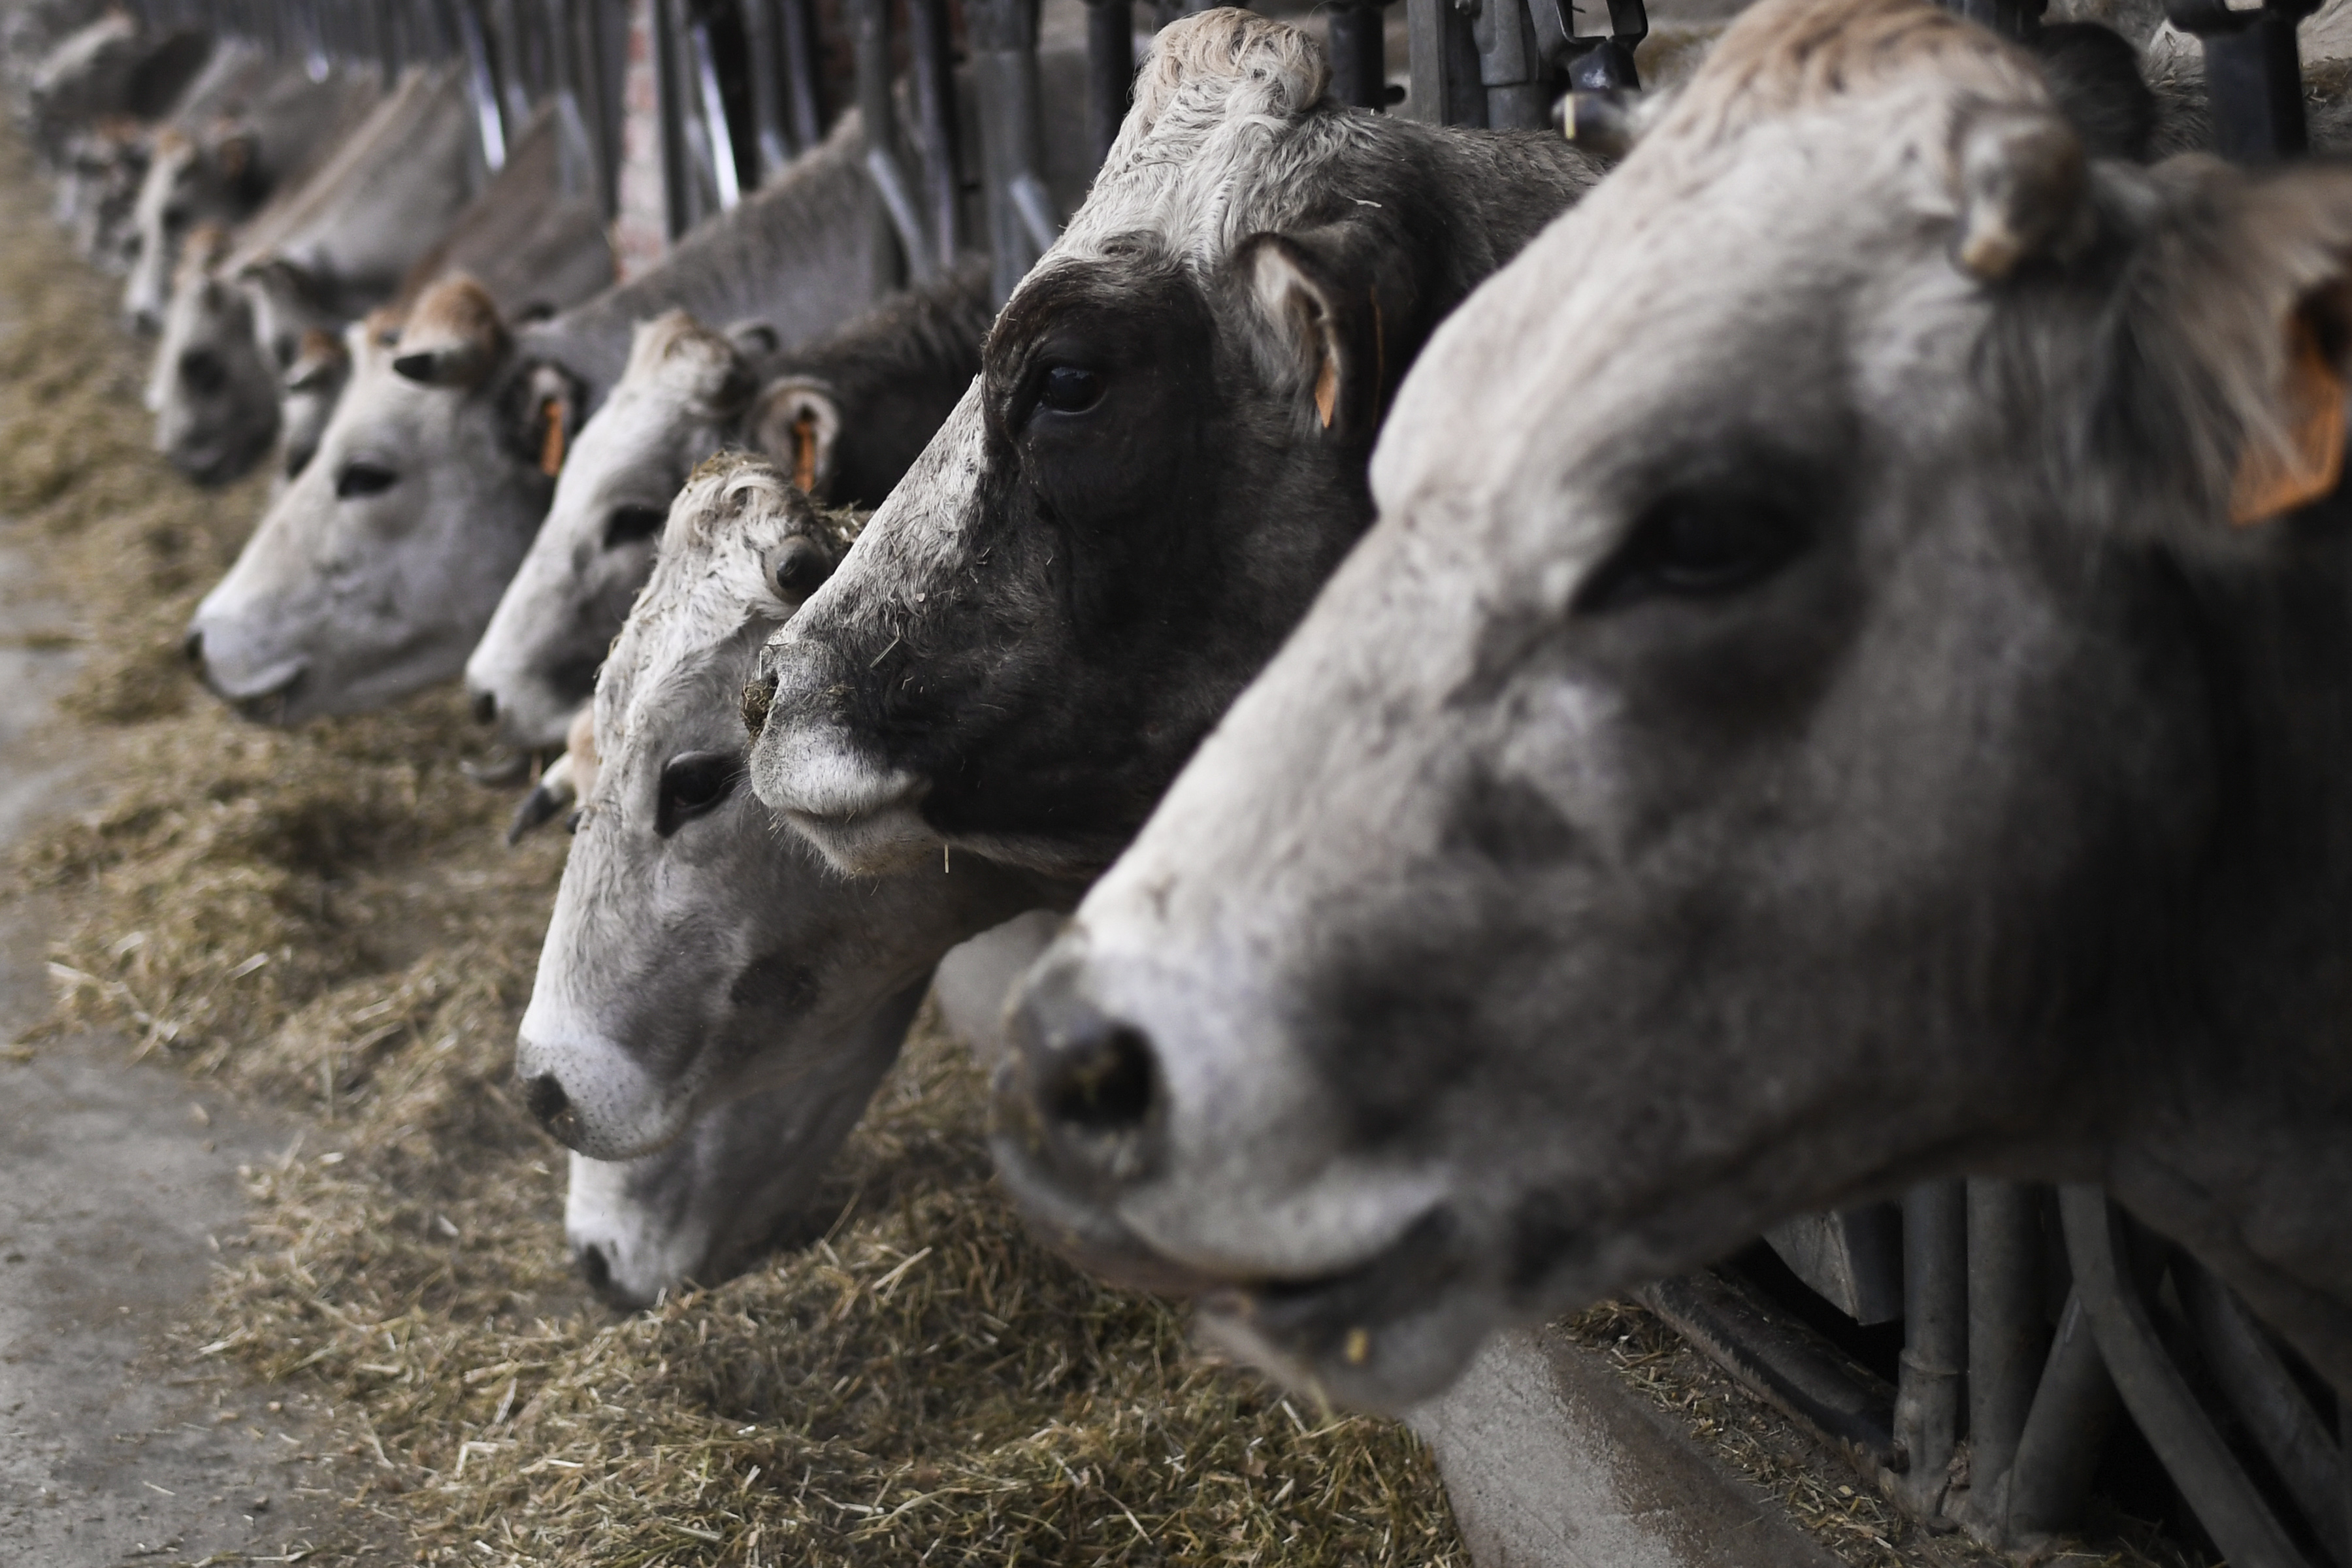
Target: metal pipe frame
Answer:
[[1110, 72], [886, 165], [1021, 225], [679, 205], [766, 53], [2258, 1385], [1359, 54], [1934, 1360], [804, 94], [931, 74], [2254, 75], [718, 137], [1442, 55], [2158, 1397], [2074, 1412], [2008, 1338]]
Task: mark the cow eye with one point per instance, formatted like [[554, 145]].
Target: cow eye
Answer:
[[1067, 389], [693, 782], [632, 525], [1696, 547], [363, 480]]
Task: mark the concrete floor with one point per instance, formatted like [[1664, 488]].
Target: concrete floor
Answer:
[[117, 1182]]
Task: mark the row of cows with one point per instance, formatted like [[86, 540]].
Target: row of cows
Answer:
[[1581, 708]]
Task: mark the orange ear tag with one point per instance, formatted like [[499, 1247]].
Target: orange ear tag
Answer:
[[2270, 483], [804, 452], [550, 449], [1326, 390]]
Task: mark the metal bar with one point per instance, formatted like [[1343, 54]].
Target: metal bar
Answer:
[[2263, 1393], [719, 135], [930, 53], [2073, 1411], [2254, 75], [1738, 1332], [1442, 57], [1021, 221], [869, 35], [2008, 1339], [2157, 1396], [481, 87], [804, 97], [1110, 72], [1935, 1356], [766, 54], [504, 31], [1359, 54], [679, 196]]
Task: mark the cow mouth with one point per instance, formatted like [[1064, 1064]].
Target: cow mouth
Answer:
[[268, 697], [1381, 1333]]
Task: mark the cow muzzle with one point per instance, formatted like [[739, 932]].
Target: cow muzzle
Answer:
[[806, 764]]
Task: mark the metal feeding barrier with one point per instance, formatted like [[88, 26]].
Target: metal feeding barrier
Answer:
[[2032, 1320]]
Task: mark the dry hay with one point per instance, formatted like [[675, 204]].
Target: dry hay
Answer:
[[327, 918]]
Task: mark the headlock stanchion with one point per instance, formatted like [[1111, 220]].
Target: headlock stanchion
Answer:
[[1358, 52], [930, 73], [886, 163], [2254, 74], [1110, 72], [1021, 220]]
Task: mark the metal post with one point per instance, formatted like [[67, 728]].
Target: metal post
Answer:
[[1444, 59], [680, 200], [869, 35], [760, 42], [804, 99], [2074, 1410], [1934, 1340], [2019, 19], [482, 86], [2007, 1336], [2160, 1399], [1110, 72], [1359, 52], [1518, 98], [718, 137], [930, 52], [1021, 221], [2254, 75]]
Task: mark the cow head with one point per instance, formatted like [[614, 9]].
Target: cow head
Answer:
[[697, 953], [190, 180], [213, 389], [1164, 456], [315, 378], [683, 396], [375, 569], [1804, 721]]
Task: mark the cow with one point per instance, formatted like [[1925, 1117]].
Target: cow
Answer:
[[317, 254], [453, 497], [1846, 688], [847, 416], [1162, 458], [693, 947], [223, 168]]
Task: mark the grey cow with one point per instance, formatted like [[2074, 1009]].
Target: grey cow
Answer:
[[1847, 686]]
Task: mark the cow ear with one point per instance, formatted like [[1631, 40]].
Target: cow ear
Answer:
[[798, 425], [1331, 310], [453, 338], [543, 416], [2023, 189], [2243, 329]]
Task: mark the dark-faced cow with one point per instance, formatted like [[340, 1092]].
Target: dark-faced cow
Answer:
[[1848, 686], [845, 419], [696, 953], [1163, 458]]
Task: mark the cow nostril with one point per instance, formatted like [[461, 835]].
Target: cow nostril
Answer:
[[595, 1269], [195, 647], [1102, 1085], [486, 708], [758, 698], [545, 1098]]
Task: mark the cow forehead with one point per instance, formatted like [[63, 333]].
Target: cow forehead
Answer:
[[1729, 307]]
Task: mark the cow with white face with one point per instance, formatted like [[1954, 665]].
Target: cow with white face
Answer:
[[845, 418], [375, 570], [1163, 459], [714, 1004], [1897, 730]]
